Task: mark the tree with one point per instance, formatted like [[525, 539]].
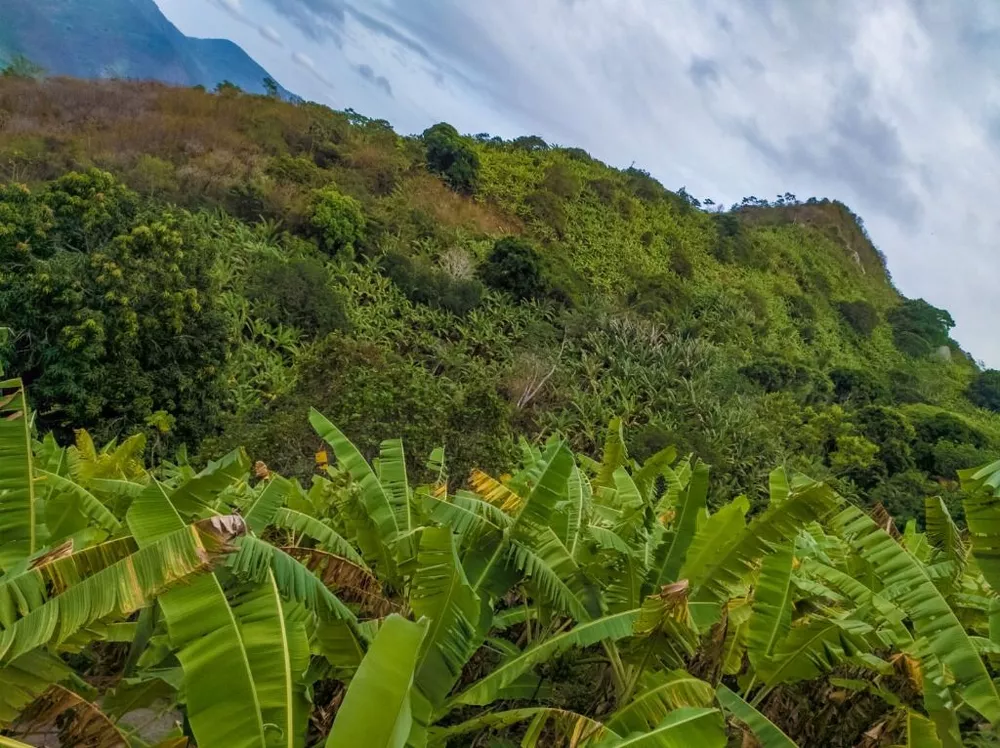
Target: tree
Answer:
[[271, 87], [919, 328], [451, 156], [297, 293], [338, 219], [984, 390], [514, 267]]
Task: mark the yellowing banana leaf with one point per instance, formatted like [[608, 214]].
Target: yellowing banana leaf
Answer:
[[377, 711], [920, 732]]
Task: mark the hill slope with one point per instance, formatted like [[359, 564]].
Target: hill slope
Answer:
[[120, 39], [453, 291]]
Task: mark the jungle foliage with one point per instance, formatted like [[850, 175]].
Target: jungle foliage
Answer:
[[201, 268], [571, 602]]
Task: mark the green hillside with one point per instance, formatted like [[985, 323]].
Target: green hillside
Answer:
[[215, 265]]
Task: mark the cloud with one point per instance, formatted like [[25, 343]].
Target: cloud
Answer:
[[380, 81], [306, 63], [703, 71], [236, 11]]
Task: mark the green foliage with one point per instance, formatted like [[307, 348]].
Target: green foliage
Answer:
[[451, 156], [860, 315], [337, 219], [20, 67], [423, 284], [919, 328], [296, 293], [857, 386], [89, 208], [514, 267], [25, 222], [984, 390]]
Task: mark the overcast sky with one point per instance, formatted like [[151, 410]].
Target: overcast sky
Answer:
[[892, 107]]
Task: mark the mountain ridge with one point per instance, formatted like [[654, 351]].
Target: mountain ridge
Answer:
[[126, 39]]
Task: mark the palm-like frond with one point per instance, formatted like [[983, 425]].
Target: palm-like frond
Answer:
[[18, 505], [661, 692], [765, 731], [690, 503], [681, 728], [772, 606]]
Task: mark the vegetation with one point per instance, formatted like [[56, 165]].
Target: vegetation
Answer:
[[574, 601], [187, 273]]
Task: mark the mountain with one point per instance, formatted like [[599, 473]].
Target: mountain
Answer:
[[120, 39]]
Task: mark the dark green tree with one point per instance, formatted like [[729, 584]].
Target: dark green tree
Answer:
[[984, 390], [860, 315], [918, 328], [452, 156], [514, 267]]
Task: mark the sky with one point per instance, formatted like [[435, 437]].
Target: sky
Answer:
[[891, 107]]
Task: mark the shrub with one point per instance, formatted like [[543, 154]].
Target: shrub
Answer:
[[860, 315], [25, 223], [434, 287], [984, 390], [680, 264], [514, 267], [337, 218], [918, 328], [549, 210], [892, 432], [774, 374], [562, 181], [297, 293], [657, 295], [452, 156], [857, 386], [903, 495], [89, 208]]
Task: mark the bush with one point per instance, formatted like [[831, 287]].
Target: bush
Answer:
[[892, 432], [903, 495], [561, 181], [89, 208], [514, 267], [337, 218], [658, 296], [297, 293], [25, 223], [680, 264], [860, 315], [857, 386], [918, 328], [452, 156], [424, 284], [548, 209], [775, 374], [984, 390]]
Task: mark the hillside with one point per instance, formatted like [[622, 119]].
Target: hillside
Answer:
[[236, 260], [120, 39]]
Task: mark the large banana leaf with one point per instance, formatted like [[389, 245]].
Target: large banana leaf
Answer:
[[18, 505], [662, 692], [681, 728], [325, 536], [813, 650], [772, 605], [264, 507], [779, 524], [691, 503], [570, 727], [77, 499], [920, 732], [377, 711], [194, 495], [277, 648], [441, 593], [906, 583], [123, 587], [32, 581], [374, 497], [25, 679], [714, 538], [540, 555], [615, 455], [766, 732], [609, 628], [204, 633]]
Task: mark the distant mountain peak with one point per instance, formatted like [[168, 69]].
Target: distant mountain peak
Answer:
[[121, 39]]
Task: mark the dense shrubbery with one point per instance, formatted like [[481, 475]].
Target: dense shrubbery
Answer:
[[919, 328], [296, 293], [985, 390], [860, 315], [424, 284], [338, 219]]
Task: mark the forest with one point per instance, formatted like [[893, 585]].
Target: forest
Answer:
[[675, 473]]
